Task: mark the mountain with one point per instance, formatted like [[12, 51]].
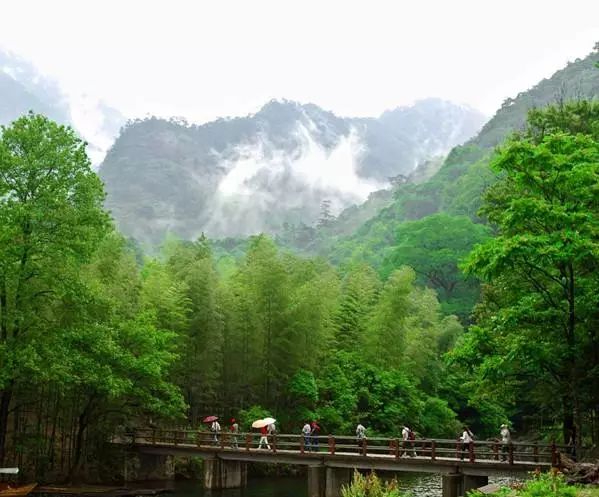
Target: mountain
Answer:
[[23, 88], [455, 188], [239, 176]]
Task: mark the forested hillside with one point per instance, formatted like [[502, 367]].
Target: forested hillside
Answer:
[[243, 176], [451, 197]]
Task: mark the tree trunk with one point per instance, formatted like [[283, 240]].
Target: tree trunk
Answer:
[[76, 464], [5, 398], [569, 431]]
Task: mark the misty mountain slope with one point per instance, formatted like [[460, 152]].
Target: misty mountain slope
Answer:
[[24, 89], [579, 79], [239, 176], [457, 185], [16, 99]]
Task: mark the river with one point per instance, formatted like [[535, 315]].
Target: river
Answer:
[[419, 485]]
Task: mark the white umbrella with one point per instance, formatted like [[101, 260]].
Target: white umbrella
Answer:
[[260, 423], [9, 471], [269, 421]]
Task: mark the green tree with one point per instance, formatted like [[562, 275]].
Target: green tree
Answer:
[[537, 327], [434, 246], [200, 367], [359, 291], [51, 220]]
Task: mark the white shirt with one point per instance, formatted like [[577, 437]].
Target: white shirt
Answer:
[[215, 426], [360, 431], [405, 433], [466, 438], [505, 435], [306, 429]]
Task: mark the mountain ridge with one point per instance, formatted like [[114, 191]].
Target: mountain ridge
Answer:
[[242, 175]]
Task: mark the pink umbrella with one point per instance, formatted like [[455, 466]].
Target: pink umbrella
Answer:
[[209, 419]]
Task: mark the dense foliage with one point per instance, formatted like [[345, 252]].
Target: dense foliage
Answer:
[[536, 328]]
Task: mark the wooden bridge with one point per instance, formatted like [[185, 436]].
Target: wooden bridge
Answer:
[[331, 460]]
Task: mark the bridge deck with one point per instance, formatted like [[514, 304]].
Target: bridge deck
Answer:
[[433, 456]]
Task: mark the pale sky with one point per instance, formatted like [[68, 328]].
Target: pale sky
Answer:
[[203, 59]]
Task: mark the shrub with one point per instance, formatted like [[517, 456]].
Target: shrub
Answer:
[[370, 486]]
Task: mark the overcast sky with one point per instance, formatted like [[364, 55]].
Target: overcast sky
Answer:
[[203, 59]]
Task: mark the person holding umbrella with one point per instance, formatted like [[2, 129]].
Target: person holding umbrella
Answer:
[[264, 438], [263, 424], [214, 426]]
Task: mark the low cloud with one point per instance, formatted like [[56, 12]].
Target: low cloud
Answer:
[[263, 182]]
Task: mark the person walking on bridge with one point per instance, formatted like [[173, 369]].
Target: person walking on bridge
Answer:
[[264, 438], [215, 427], [234, 432], [506, 440], [467, 438], [306, 431], [315, 433], [407, 437], [360, 434]]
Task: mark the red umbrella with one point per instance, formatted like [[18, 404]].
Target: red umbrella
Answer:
[[209, 419]]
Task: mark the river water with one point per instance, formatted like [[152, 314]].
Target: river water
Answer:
[[418, 485]]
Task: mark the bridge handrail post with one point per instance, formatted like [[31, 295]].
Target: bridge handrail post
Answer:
[[364, 446], [133, 436], [496, 451], [396, 447], [331, 445], [433, 450], [458, 450], [222, 440], [274, 443], [553, 455], [471, 451], [248, 441], [535, 451], [302, 444], [511, 453]]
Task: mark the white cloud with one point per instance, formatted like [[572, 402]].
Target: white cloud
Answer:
[[313, 165]]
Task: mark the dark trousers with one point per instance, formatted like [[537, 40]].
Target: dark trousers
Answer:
[[465, 450], [315, 443]]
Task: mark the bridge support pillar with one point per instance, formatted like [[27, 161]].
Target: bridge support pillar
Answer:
[[335, 479], [316, 481], [224, 474], [471, 482], [150, 467], [453, 485]]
